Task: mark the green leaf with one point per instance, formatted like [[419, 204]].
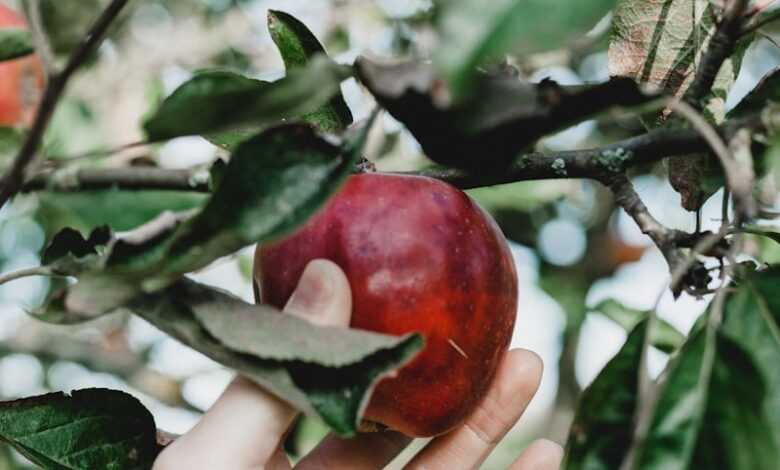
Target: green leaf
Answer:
[[679, 410], [712, 410], [664, 336], [298, 46], [208, 102], [602, 430], [767, 91], [736, 431], [120, 210], [217, 101], [15, 43], [661, 43], [92, 428], [231, 139], [325, 371], [773, 233], [752, 319], [272, 184], [472, 33]]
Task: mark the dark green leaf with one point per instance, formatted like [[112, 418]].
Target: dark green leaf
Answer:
[[120, 210], [737, 431], [767, 91], [272, 184], [328, 371], [474, 32], [93, 428], [15, 43], [298, 46], [712, 411], [216, 101], [210, 101], [679, 410], [231, 139], [664, 336], [751, 320], [603, 426]]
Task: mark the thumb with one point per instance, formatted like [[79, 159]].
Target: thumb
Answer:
[[323, 296], [246, 425]]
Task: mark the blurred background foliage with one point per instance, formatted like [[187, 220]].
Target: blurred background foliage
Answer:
[[573, 248]]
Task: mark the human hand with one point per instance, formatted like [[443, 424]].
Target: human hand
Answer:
[[246, 426]]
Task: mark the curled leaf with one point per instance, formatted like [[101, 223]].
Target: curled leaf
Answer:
[[328, 372]]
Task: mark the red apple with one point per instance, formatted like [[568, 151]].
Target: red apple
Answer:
[[420, 256], [21, 80]]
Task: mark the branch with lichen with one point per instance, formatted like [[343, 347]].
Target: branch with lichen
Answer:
[[596, 163]]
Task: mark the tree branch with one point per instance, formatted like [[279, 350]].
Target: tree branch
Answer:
[[597, 163], [14, 178], [665, 239], [130, 178], [721, 47]]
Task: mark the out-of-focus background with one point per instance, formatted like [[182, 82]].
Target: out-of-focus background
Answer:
[[572, 247]]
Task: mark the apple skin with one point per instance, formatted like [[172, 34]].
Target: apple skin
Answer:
[[21, 80], [420, 256]]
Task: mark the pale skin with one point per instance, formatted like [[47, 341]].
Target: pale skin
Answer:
[[246, 426]]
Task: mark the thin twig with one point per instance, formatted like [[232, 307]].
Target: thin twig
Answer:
[[600, 162], [27, 272], [40, 38], [663, 237], [14, 178], [597, 163], [130, 178]]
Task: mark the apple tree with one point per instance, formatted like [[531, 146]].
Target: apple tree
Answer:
[[123, 233]]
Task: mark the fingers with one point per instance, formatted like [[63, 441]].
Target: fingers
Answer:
[[516, 382], [367, 451], [540, 455], [245, 426]]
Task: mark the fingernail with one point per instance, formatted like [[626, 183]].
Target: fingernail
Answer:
[[314, 291]]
